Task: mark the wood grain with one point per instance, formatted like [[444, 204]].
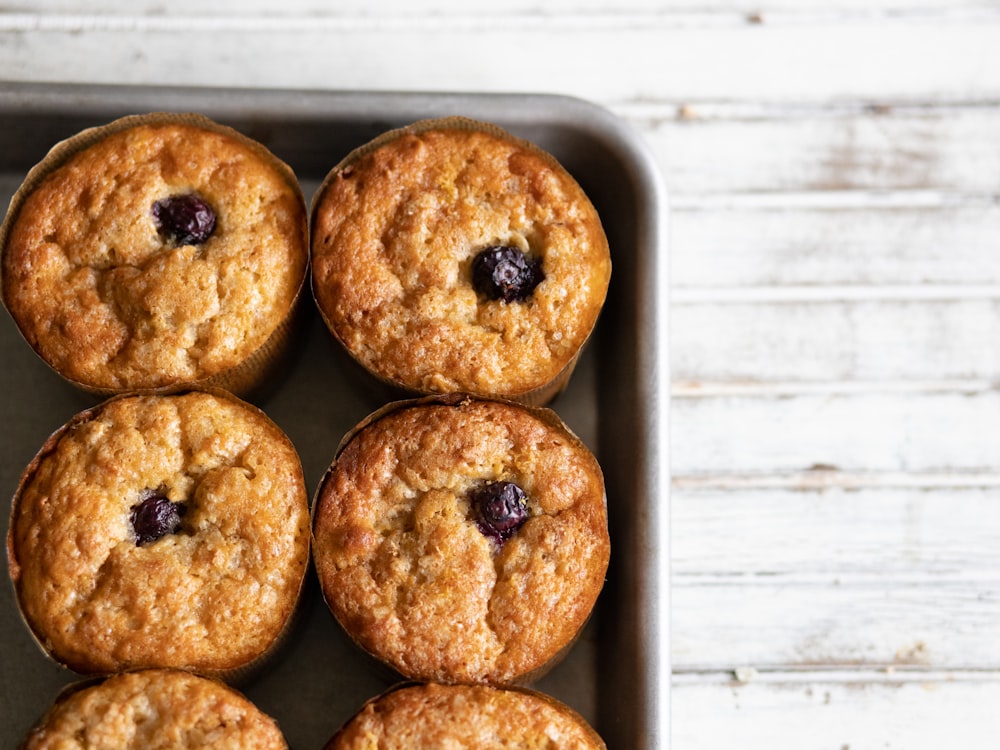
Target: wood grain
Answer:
[[862, 245], [774, 534], [837, 711], [874, 432], [867, 339], [642, 60], [859, 576], [868, 145]]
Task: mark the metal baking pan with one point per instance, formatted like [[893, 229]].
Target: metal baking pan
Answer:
[[617, 675]]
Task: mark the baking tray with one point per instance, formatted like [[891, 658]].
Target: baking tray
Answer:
[[617, 675]]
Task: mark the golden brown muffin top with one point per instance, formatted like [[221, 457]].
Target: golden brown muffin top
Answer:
[[154, 710], [406, 569], [110, 303], [213, 594], [426, 716], [394, 234]]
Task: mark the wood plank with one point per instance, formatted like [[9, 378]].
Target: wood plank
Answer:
[[863, 576], [861, 146], [873, 431], [838, 711], [635, 63], [818, 337], [860, 619], [834, 534], [795, 246]]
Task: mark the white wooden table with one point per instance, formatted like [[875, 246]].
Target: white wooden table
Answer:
[[834, 170]]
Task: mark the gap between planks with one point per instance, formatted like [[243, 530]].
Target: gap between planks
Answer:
[[831, 199], [821, 478], [696, 389], [838, 293], [885, 675], [648, 113], [459, 18]]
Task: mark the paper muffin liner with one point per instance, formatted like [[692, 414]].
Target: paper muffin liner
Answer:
[[595, 739], [539, 395], [235, 674], [259, 368], [68, 691], [543, 414]]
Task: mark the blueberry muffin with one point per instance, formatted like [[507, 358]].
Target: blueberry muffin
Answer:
[[450, 256], [423, 716], [155, 251], [462, 540], [161, 531], [154, 709]]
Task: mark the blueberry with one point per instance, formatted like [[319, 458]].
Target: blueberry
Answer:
[[184, 219], [155, 516], [505, 273], [501, 509]]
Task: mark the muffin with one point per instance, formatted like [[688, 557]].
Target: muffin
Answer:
[[153, 709], [423, 716], [161, 531], [462, 540], [449, 256], [155, 251]]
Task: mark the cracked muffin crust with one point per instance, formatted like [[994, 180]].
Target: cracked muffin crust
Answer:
[[212, 591], [397, 229], [406, 566], [154, 710], [422, 716], [114, 297]]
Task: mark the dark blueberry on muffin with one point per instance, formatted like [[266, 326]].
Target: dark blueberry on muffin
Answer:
[[505, 273], [501, 508], [184, 219], [155, 516]]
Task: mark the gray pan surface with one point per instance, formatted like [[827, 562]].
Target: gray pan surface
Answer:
[[617, 674]]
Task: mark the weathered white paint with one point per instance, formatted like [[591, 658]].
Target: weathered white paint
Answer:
[[775, 338], [809, 621], [747, 247], [837, 711], [796, 533], [857, 146], [857, 59], [813, 621], [871, 431], [837, 576]]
